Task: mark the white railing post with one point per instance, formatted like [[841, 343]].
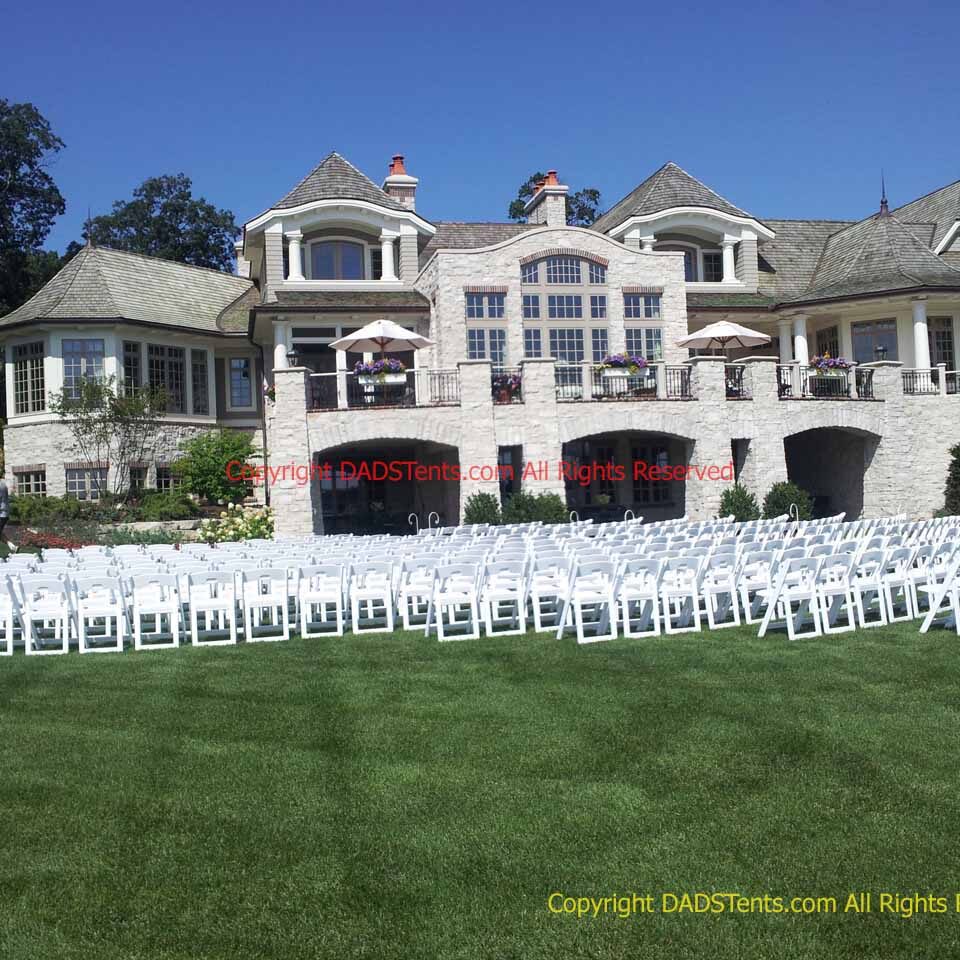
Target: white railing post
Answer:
[[342, 402], [942, 378], [660, 372]]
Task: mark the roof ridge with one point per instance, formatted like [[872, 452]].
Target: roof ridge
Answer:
[[85, 253], [175, 263], [105, 282], [310, 173], [946, 186], [924, 248]]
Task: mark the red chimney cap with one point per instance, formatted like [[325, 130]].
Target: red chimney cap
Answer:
[[396, 165], [551, 180]]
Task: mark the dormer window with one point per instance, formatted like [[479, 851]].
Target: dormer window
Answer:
[[337, 260]]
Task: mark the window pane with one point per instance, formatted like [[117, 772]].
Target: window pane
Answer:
[[563, 270], [476, 345], [498, 347], [531, 307], [351, 261], [82, 359], [566, 344], [474, 306], [532, 343], [598, 308], [598, 273], [712, 267], [872, 338], [241, 392], [132, 375], [29, 391], [495, 305], [599, 344], [530, 273], [323, 266], [199, 382]]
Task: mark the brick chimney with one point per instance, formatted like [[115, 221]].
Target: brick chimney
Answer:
[[399, 184], [548, 205]]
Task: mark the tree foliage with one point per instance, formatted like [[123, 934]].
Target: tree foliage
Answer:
[[782, 496], [164, 219], [29, 202], [583, 207], [108, 426], [203, 468], [952, 491]]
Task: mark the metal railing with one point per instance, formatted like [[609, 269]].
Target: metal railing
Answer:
[[784, 381], [919, 382], [951, 378], [506, 385], [679, 383], [568, 378], [735, 382], [863, 378], [614, 384], [413, 388], [829, 386]]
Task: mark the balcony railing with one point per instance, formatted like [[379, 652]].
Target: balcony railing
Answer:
[[736, 384], [795, 382], [413, 388], [919, 382], [506, 385], [584, 381]]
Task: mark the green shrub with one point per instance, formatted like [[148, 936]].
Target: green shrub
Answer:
[[782, 496], [482, 508], [203, 467], [525, 507], [166, 505], [951, 494], [738, 502]]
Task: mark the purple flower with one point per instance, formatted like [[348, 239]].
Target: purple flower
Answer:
[[379, 367]]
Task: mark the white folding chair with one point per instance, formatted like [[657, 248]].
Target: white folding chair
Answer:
[[155, 610], [266, 604], [320, 592], [371, 597], [212, 596], [592, 607], [47, 610], [680, 595], [101, 614], [503, 598], [454, 604], [639, 596]]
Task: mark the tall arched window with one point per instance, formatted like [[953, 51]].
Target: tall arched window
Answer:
[[337, 260]]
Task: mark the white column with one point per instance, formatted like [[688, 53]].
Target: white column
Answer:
[[279, 346], [386, 253], [729, 263], [646, 243], [783, 328], [801, 352], [294, 266], [921, 344]]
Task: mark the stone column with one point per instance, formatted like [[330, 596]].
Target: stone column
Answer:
[[887, 485], [729, 261], [801, 352], [542, 449], [765, 463], [478, 439], [294, 264], [786, 347], [646, 243], [711, 447], [294, 494], [921, 343], [386, 255]]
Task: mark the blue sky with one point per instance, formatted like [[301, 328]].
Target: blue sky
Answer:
[[787, 112]]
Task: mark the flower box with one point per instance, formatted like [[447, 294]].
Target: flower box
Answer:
[[371, 379]]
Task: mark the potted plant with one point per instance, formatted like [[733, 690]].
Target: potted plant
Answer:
[[622, 365], [385, 370], [506, 386], [270, 392], [828, 376]]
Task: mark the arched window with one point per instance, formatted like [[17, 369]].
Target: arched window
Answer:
[[337, 260], [700, 263]]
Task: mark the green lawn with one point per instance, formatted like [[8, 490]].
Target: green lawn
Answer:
[[391, 797]]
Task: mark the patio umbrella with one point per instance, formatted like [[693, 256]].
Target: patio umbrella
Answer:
[[382, 335], [723, 334]]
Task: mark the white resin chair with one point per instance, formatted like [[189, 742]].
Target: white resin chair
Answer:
[[212, 596], [503, 598], [47, 610], [638, 593], [371, 597], [155, 611], [320, 592], [101, 614], [592, 607], [454, 603], [266, 604], [835, 595]]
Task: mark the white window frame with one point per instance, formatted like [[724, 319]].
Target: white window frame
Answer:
[[307, 257], [228, 378]]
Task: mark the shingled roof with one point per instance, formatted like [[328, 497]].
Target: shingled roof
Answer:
[[104, 284], [335, 178], [788, 261], [459, 235], [940, 208], [670, 186], [877, 255]]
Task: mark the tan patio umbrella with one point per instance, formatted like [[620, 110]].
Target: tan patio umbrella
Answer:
[[382, 335], [723, 335]]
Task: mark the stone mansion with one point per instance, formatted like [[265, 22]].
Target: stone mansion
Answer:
[[520, 316]]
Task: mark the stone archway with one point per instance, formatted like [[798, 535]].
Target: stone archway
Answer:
[[830, 463], [372, 486]]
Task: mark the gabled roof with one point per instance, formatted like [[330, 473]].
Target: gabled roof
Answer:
[[671, 186], [335, 178], [459, 235], [873, 256], [104, 284], [940, 208]]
